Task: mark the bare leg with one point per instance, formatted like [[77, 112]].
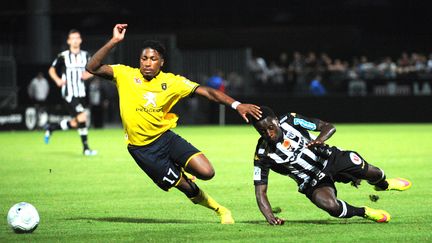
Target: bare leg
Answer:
[[200, 167], [375, 176], [325, 198]]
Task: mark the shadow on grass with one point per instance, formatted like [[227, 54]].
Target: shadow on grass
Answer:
[[324, 222], [141, 220], [185, 221]]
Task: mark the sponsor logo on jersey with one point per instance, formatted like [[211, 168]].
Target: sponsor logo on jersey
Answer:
[[257, 173], [355, 159], [144, 109], [151, 99], [304, 123], [286, 143]]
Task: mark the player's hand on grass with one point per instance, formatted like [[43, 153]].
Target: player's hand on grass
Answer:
[[245, 109], [276, 221]]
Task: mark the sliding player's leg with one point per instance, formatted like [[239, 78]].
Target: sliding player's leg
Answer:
[[324, 197], [376, 176]]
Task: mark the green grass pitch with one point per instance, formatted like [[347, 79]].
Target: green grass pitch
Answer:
[[107, 198]]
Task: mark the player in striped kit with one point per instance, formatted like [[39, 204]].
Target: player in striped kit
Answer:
[[287, 148], [70, 64]]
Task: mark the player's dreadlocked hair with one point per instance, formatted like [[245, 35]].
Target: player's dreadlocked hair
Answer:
[[266, 112], [155, 45]]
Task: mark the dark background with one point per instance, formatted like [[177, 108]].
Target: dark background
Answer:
[[344, 29]]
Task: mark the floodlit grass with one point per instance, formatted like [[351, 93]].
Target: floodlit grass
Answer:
[[107, 198]]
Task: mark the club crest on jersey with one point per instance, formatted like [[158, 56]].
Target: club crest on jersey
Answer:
[[164, 86], [137, 80], [355, 159], [290, 135]]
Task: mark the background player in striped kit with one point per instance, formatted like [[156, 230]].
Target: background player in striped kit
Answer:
[[70, 64], [287, 148]]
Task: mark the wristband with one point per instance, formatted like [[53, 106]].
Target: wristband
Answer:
[[235, 104]]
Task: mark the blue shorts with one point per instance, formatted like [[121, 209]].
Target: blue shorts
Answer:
[[163, 159]]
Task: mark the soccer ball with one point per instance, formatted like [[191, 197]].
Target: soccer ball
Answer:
[[23, 218]]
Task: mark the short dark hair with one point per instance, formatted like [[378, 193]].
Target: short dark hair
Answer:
[[73, 31], [266, 112], [155, 45]]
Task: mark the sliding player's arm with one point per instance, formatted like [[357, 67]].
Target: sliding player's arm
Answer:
[[264, 205], [325, 129]]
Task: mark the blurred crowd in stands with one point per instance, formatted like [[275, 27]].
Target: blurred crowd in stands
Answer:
[[320, 74]]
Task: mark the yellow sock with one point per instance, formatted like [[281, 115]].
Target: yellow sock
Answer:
[[205, 200]]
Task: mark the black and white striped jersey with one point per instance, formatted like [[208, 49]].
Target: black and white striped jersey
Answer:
[[71, 67], [291, 156]]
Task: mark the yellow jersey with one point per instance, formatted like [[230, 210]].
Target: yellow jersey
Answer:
[[145, 105]]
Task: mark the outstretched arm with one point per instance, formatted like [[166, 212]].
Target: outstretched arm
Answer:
[[264, 205], [326, 131], [220, 97], [95, 65]]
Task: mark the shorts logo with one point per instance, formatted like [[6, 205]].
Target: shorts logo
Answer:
[[355, 159], [79, 108], [257, 173], [151, 99], [164, 86]]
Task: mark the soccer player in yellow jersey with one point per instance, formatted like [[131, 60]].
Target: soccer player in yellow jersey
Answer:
[[146, 95]]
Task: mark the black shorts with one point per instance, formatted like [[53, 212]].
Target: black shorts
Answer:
[[76, 106], [325, 181], [163, 158], [346, 166], [343, 166]]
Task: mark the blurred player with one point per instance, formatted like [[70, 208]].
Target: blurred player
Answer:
[[287, 148], [146, 95], [71, 65]]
